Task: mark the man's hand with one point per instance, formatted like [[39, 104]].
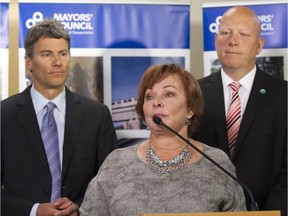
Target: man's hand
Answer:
[[62, 207]]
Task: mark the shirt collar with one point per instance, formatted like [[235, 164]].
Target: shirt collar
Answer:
[[246, 81], [39, 101]]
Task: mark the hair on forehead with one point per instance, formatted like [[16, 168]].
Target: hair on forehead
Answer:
[[192, 91], [46, 28]]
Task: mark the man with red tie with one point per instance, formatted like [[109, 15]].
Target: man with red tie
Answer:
[[257, 132]]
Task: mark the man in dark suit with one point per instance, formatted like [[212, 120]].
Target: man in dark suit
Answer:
[[260, 151], [84, 129]]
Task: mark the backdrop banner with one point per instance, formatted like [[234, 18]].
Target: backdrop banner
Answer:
[[273, 17], [111, 46], [4, 10]]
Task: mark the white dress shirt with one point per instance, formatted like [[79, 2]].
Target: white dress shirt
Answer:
[[245, 82]]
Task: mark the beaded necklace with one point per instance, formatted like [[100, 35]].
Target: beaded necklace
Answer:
[[178, 162]]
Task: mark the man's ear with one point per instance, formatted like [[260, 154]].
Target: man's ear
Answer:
[[29, 64], [261, 42]]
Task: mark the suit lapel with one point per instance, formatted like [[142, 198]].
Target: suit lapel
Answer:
[[73, 119], [26, 115], [215, 97], [254, 103]]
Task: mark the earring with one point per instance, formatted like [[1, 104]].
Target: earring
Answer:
[[188, 122], [147, 128]]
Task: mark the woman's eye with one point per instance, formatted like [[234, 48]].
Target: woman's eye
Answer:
[[170, 94], [149, 97]]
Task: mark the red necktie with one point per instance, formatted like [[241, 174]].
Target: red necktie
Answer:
[[233, 117]]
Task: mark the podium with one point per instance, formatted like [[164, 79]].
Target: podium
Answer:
[[246, 213]]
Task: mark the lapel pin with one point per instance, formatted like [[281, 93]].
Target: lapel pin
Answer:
[[262, 91]]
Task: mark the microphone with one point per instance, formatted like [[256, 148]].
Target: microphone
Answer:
[[254, 206]]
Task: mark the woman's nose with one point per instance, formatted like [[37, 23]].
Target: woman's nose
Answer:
[[157, 103]]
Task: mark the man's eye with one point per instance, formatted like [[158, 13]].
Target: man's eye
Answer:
[[224, 33], [45, 54], [64, 54], [245, 35]]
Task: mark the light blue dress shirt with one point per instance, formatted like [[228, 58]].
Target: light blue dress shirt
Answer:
[[39, 103]]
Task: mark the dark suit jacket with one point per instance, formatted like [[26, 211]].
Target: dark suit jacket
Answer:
[[260, 154], [89, 137]]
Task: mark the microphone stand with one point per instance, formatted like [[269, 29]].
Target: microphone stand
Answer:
[[254, 205]]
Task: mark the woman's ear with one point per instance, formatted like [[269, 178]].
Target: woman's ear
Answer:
[[189, 114]]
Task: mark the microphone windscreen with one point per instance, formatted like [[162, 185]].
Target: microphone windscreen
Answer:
[[157, 120]]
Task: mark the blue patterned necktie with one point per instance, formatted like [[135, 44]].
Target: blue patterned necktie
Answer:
[[50, 139]]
